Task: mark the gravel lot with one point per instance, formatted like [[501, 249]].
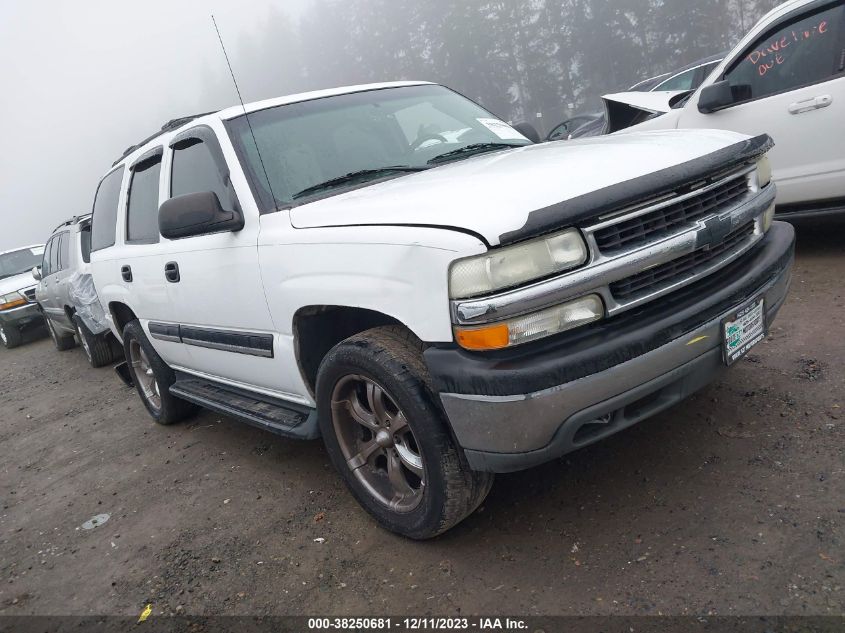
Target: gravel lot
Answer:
[[731, 503]]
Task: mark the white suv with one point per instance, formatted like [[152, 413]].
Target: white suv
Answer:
[[397, 270]]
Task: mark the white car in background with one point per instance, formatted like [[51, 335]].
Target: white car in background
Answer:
[[786, 78]]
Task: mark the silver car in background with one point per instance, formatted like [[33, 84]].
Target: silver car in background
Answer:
[[18, 310], [67, 297]]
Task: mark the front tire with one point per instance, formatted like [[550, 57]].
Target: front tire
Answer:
[[63, 342], [388, 438], [153, 377], [97, 347], [10, 336]]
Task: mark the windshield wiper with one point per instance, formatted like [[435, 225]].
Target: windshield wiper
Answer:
[[356, 175], [474, 148]]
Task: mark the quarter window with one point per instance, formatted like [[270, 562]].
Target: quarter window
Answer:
[[54, 254], [801, 53], [142, 210], [195, 170], [64, 252], [48, 254], [104, 222]]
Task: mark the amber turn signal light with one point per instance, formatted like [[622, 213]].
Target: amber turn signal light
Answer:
[[483, 338]]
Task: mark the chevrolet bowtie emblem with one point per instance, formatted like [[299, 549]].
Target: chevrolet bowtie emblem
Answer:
[[714, 231]]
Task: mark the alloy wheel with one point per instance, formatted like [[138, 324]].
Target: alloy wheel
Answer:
[[144, 374], [3, 335], [377, 443]]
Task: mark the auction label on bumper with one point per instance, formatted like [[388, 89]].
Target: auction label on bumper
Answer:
[[744, 330]]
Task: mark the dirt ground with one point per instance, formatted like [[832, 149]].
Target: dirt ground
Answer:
[[731, 503]]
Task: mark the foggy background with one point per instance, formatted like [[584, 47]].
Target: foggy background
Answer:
[[83, 81]]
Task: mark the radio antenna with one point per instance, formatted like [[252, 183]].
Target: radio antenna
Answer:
[[246, 114]]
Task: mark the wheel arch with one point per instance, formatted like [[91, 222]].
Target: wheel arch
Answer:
[[318, 328], [121, 314]]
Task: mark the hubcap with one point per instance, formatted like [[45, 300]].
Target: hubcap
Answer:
[[377, 443], [3, 335], [144, 374]]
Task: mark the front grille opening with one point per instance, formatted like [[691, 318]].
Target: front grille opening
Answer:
[[29, 295], [669, 219], [679, 269]]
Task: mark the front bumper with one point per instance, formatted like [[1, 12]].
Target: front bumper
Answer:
[[515, 409], [22, 317]]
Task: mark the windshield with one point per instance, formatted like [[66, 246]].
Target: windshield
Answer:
[[20, 261], [326, 146]]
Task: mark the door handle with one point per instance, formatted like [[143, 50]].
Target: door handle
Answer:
[[813, 103], [126, 273], [171, 272]]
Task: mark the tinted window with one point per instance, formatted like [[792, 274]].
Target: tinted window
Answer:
[[803, 52], [194, 171], [48, 254], [85, 244], [104, 223], [64, 253], [54, 254], [142, 211]]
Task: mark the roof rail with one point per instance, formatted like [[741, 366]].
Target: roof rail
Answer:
[[172, 124], [74, 220]]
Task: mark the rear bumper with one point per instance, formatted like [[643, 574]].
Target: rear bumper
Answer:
[[513, 411], [22, 317]]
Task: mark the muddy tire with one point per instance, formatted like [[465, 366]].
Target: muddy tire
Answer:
[[153, 377], [97, 347], [63, 342], [389, 439], [10, 336]]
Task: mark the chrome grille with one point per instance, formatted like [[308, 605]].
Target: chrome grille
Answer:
[[29, 295], [680, 269], [672, 215]]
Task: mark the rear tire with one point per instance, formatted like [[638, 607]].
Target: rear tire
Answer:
[[63, 342], [153, 377], [97, 347], [10, 336], [389, 439]]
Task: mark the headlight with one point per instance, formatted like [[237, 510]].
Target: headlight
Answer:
[[764, 171], [768, 217], [531, 327], [11, 300], [515, 265]]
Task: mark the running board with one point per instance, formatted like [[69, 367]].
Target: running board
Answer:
[[271, 414]]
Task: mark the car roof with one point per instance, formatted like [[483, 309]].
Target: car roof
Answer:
[[174, 126], [21, 248]]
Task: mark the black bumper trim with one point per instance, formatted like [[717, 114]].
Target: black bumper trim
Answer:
[[591, 349]]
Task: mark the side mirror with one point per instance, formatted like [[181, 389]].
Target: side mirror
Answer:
[[196, 214], [528, 131], [715, 97], [36, 273]]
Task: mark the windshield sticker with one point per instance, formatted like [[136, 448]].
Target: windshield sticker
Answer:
[[38, 252], [502, 130]]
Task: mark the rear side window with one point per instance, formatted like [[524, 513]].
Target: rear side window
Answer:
[[142, 210], [64, 253], [195, 170], [104, 222], [48, 254], [800, 53], [85, 244], [56, 243]]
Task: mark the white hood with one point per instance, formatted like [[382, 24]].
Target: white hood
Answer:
[[493, 193], [18, 282]]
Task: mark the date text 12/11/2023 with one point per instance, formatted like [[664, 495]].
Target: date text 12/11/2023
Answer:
[[377, 625]]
